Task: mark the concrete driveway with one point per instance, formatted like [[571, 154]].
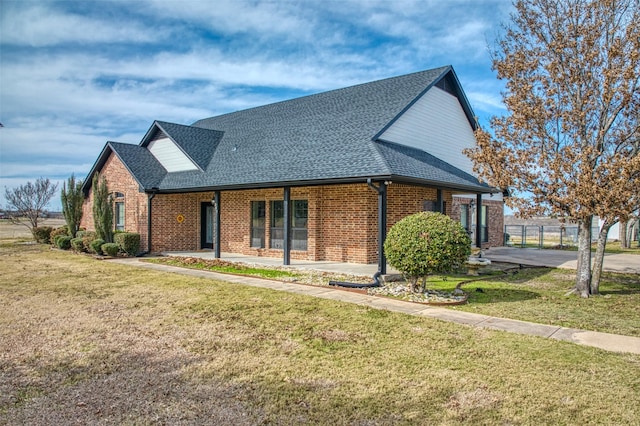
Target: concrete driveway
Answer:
[[628, 263]]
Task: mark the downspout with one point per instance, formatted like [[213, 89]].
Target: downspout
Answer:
[[382, 225], [382, 234]]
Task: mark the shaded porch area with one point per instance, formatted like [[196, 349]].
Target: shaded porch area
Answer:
[[308, 265]]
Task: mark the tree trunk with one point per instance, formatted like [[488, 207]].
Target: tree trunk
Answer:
[[599, 259], [583, 273], [624, 242]]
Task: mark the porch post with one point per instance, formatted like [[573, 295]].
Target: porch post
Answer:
[[287, 226], [479, 220], [439, 201], [382, 227], [216, 197]]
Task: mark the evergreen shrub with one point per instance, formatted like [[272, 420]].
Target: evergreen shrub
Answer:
[[110, 249], [87, 239], [77, 244], [426, 243], [42, 234], [129, 242], [63, 230], [63, 242], [96, 245]]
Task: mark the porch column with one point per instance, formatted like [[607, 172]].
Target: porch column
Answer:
[[216, 197], [287, 226], [382, 227], [479, 220]]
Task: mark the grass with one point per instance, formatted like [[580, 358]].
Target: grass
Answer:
[[282, 273], [532, 294], [539, 295], [88, 341], [218, 265]]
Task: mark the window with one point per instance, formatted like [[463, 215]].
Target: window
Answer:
[[119, 216], [299, 225], [465, 220], [484, 229], [276, 240], [299, 219], [258, 219], [464, 216]]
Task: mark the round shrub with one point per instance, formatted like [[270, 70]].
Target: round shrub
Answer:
[[63, 230], [42, 234], [87, 239], [63, 242], [110, 249], [96, 246], [77, 244], [129, 242], [426, 243]]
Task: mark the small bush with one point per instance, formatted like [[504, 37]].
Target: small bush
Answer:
[[42, 234], [63, 242], [77, 244], [96, 245], [63, 230], [426, 243], [87, 239], [81, 233], [129, 242], [110, 249]]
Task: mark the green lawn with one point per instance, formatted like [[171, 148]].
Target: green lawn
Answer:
[[539, 295], [93, 342], [531, 294]]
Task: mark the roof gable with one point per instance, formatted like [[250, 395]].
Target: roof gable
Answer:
[[436, 124], [140, 163], [189, 147]]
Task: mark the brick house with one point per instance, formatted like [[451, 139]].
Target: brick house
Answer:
[[321, 177]]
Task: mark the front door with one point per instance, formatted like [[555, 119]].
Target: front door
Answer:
[[206, 226]]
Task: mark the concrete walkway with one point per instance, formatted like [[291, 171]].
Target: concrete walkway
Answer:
[[606, 341], [628, 263]]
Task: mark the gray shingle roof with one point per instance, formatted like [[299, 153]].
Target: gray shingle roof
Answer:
[[326, 137], [141, 163], [418, 165]]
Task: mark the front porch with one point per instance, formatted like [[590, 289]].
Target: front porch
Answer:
[[323, 266]]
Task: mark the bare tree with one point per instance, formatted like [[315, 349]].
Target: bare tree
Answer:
[[569, 144], [27, 203]]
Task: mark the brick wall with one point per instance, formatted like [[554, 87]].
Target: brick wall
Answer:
[[496, 219], [120, 180]]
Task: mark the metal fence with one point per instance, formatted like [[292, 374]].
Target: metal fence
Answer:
[[539, 236]]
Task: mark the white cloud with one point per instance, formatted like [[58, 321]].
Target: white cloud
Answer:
[[39, 24], [262, 19], [76, 74]]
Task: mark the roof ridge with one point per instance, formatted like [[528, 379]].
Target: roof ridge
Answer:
[[325, 92]]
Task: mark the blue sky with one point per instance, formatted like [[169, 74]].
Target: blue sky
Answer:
[[74, 75]]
